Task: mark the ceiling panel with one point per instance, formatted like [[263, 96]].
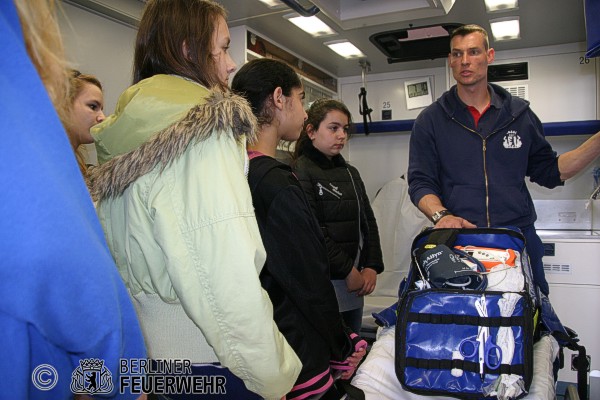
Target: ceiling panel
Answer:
[[543, 23]]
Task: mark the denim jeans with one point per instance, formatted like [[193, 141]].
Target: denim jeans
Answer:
[[233, 387]]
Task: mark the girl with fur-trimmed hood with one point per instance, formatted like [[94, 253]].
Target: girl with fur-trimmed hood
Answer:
[[176, 209]]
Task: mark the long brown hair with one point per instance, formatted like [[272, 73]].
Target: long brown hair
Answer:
[[165, 26]]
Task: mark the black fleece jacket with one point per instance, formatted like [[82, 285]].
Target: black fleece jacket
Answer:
[[296, 274], [339, 200]]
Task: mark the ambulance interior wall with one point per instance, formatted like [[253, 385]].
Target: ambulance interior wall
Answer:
[[102, 47], [561, 87]]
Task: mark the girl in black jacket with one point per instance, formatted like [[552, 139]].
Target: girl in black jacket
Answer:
[[296, 274], [339, 200]]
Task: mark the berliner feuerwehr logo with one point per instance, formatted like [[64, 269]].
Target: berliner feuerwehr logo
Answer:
[[91, 377], [512, 140]]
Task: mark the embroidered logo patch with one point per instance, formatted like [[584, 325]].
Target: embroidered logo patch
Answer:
[[333, 190], [512, 140]]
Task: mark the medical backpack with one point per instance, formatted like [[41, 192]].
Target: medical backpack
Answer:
[[463, 332]]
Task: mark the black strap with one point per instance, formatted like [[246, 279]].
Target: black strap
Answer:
[[352, 392], [582, 362], [443, 236], [438, 236], [469, 366], [447, 319], [583, 366], [363, 109]]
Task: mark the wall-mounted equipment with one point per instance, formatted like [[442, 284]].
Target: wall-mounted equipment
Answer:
[[412, 44], [520, 90], [508, 72], [363, 106], [418, 93]]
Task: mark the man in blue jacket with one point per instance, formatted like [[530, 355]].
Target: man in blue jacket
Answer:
[[471, 150]]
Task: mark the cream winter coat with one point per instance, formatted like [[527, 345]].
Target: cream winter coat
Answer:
[[177, 213]]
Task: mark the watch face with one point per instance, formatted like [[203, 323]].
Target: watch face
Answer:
[[439, 214]]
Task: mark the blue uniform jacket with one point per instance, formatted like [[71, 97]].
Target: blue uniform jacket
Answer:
[[479, 172], [62, 300]]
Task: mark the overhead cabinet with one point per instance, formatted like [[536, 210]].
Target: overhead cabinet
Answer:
[[317, 83]]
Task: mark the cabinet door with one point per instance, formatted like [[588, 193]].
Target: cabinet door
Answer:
[[314, 93], [577, 308]]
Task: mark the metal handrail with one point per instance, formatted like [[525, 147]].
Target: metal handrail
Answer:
[[305, 12]]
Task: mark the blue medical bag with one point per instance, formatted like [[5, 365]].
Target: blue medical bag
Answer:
[[446, 338]]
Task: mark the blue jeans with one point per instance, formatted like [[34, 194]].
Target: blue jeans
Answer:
[[225, 384]]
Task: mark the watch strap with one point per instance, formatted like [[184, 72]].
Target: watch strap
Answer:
[[439, 215]]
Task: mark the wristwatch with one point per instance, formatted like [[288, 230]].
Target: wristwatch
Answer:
[[439, 215]]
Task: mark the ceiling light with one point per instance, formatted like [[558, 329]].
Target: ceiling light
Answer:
[[312, 25], [345, 49], [501, 5], [272, 3], [505, 28]]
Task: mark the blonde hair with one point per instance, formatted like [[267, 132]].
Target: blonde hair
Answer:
[[45, 47], [77, 82]]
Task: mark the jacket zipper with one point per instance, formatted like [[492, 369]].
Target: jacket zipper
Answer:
[[485, 175], [360, 239], [321, 188]]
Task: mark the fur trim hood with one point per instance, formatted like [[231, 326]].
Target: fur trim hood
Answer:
[[222, 113]]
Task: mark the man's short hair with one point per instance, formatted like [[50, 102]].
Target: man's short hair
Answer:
[[468, 29]]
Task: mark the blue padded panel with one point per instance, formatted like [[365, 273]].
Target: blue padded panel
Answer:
[[550, 128]]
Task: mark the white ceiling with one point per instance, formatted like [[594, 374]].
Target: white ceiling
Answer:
[[543, 23]]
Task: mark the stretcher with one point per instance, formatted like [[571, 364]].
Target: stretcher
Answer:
[[376, 376]]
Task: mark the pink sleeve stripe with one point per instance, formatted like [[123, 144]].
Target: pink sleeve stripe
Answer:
[[312, 380]]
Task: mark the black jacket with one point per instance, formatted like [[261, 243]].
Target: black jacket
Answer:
[[339, 200], [296, 274]]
